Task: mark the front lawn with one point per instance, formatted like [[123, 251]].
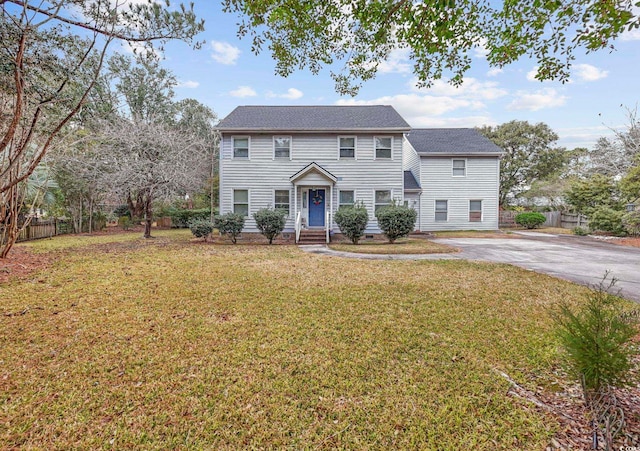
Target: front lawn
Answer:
[[177, 344]]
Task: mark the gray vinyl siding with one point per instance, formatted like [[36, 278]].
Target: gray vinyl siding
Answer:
[[480, 183], [411, 160], [262, 174]]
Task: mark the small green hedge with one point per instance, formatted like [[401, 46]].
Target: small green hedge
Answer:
[[530, 220], [352, 221]]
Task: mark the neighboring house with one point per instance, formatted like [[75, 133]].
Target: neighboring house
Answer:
[[310, 160]]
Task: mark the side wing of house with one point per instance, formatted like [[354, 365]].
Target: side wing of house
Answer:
[[310, 161], [459, 176]]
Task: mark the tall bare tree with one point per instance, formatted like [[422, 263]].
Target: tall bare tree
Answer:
[[52, 53]]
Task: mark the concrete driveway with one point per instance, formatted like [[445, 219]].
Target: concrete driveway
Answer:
[[579, 259]]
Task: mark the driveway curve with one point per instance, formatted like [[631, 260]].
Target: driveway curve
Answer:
[[582, 260]]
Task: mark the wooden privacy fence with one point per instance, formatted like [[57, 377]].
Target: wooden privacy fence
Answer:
[[561, 219], [38, 229]]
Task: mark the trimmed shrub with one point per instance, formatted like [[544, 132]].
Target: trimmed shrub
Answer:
[[396, 221], [201, 228], [631, 222], [597, 339], [230, 224], [270, 222], [181, 218], [606, 219], [580, 231], [125, 222], [352, 221], [530, 220]]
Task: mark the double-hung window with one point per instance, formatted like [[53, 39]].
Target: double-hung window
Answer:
[[383, 147], [382, 199], [281, 200], [459, 168], [346, 199], [240, 147], [241, 201], [441, 210], [282, 147], [475, 211], [347, 147]]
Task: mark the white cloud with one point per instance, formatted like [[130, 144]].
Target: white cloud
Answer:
[[480, 50], [243, 91], [531, 75], [138, 48], [423, 110], [291, 94], [397, 62], [494, 71], [224, 53], [582, 136], [633, 35], [189, 84], [534, 101], [471, 89], [587, 72]]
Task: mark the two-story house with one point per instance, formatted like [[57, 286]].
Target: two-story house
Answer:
[[311, 160]]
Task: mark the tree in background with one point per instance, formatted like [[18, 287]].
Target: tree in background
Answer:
[[438, 37], [52, 54], [530, 156], [587, 194]]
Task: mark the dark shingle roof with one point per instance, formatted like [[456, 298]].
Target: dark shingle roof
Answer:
[[456, 141], [410, 182], [314, 118]]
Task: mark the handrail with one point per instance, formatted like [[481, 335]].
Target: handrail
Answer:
[[328, 226], [298, 226]]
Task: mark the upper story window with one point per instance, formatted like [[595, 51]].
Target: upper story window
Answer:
[[240, 146], [347, 147], [459, 168], [346, 198], [383, 147], [282, 147]]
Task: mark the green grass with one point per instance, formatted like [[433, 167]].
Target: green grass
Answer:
[[402, 246], [175, 344]]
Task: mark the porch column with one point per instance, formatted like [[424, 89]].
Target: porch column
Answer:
[[295, 204]]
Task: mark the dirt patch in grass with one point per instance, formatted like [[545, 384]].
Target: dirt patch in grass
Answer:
[[20, 263], [632, 241], [403, 246]]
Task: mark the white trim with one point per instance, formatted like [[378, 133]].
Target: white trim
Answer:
[[346, 190], [435, 203], [355, 147], [375, 150], [465, 167], [274, 198], [233, 201], [273, 147], [248, 138], [481, 210]]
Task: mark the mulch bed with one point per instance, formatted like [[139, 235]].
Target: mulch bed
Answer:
[[20, 263]]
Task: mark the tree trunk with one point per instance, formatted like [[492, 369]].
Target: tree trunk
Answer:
[[148, 216]]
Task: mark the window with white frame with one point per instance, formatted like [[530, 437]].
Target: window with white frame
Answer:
[[383, 147], [441, 210], [282, 147], [241, 201], [281, 200], [382, 199], [240, 146], [475, 211], [346, 198], [459, 168], [347, 147]]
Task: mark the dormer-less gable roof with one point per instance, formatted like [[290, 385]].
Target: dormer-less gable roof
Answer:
[[324, 118], [451, 141]]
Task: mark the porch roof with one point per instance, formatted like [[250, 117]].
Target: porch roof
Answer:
[[310, 168]]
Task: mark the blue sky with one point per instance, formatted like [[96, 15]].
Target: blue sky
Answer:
[[225, 74]]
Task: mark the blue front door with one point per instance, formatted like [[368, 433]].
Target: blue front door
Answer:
[[316, 208]]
